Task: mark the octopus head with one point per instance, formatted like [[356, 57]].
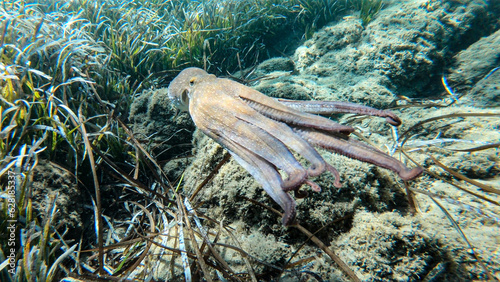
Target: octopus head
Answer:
[[180, 89]]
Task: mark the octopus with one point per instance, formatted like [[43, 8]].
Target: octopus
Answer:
[[261, 133]]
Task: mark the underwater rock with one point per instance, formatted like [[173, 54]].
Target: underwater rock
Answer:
[[476, 72], [49, 179], [486, 92], [397, 248], [474, 63], [291, 87], [406, 45], [155, 122]]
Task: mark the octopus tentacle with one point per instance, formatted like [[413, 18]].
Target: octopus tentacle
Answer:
[[334, 107], [275, 110], [343, 146], [315, 187], [298, 120], [335, 173], [273, 151], [266, 175], [286, 135]]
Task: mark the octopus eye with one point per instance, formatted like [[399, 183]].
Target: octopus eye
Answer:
[[191, 82]]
